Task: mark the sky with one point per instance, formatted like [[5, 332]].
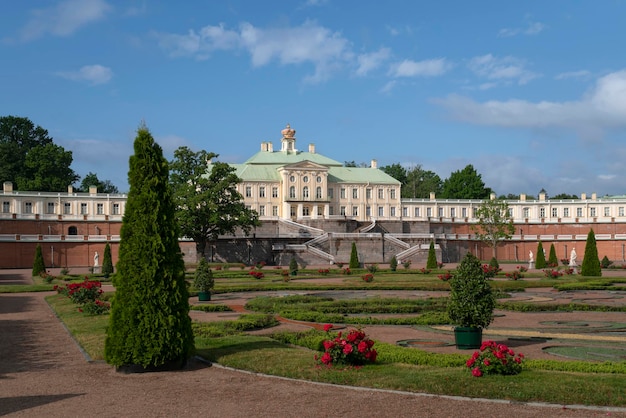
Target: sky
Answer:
[[532, 94]]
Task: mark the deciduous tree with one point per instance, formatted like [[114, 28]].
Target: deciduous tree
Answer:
[[465, 184], [207, 201], [494, 223]]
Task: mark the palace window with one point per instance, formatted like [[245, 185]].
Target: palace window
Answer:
[[405, 211], [83, 208], [579, 212], [248, 191], [305, 192], [50, 208], [620, 211], [305, 211], [566, 212], [262, 191], [592, 212], [342, 193], [330, 193], [72, 230], [393, 211], [381, 194], [440, 212], [452, 212], [331, 210], [355, 193], [305, 179], [355, 211], [292, 211], [429, 212], [67, 208], [274, 210], [607, 211], [555, 212], [368, 193], [318, 192], [292, 192], [6, 207], [417, 212], [319, 179], [525, 213], [368, 211], [542, 212], [392, 193], [464, 212], [28, 207], [100, 209], [342, 211], [381, 211], [262, 210], [274, 191], [116, 209]]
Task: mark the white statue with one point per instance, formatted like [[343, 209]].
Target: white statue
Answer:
[[531, 257], [572, 258], [96, 259]]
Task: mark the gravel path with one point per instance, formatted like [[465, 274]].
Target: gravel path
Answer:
[[43, 373]]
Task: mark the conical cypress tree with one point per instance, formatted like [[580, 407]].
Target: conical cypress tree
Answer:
[[354, 257], [591, 262], [431, 263], [107, 262], [38, 263], [552, 260], [149, 327], [540, 261]]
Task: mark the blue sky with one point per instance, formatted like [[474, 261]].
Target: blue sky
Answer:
[[532, 94]]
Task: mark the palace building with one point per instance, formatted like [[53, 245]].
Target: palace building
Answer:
[[313, 207]]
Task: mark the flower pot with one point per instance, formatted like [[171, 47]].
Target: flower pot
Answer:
[[204, 296], [468, 338]]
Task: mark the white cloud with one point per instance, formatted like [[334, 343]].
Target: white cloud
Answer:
[[388, 86], [426, 68], [93, 74], [63, 19], [501, 69], [573, 74], [307, 43], [371, 61], [532, 28], [603, 107]]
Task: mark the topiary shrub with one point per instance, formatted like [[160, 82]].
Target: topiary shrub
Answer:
[[553, 261], [149, 326], [38, 264], [591, 262], [494, 263], [107, 262], [605, 263], [354, 257], [393, 264], [293, 266], [540, 262], [471, 302], [431, 262], [203, 277]]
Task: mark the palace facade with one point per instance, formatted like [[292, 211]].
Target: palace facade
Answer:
[[312, 207]]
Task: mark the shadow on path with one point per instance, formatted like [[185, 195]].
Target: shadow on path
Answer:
[[18, 403]]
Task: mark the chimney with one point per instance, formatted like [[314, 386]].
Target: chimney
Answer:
[[594, 196], [522, 197], [264, 146], [583, 196], [432, 195], [270, 147], [374, 164], [8, 187], [492, 196], [542, 197], [312, 148], [93, 190], [70, 189]]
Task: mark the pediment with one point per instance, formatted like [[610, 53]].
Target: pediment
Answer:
[[304, 165]]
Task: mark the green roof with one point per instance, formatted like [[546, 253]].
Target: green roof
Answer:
[[264, 166]]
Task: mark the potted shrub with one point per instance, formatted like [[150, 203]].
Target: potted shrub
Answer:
[[471, 303], [203, 280]]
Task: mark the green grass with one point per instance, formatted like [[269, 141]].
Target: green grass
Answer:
[[19, 288]]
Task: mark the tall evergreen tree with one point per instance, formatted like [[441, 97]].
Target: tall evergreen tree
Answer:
[[149, 326], [540, 259], [553, 261], [354, 257], [431, 263], [107, 262], [591, 262], [38, 263]]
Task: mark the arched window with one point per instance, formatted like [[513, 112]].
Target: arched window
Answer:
[[292, 192], [72, 230], [305, 192], [318, 193]]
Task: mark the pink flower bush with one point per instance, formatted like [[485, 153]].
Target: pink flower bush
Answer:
[[367, 277], [355, 349], [494, 358]]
